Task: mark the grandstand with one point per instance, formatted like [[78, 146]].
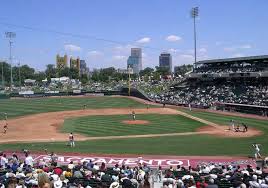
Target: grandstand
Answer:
[[233, 84]]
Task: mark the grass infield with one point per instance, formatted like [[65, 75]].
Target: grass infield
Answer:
[[112, 125]]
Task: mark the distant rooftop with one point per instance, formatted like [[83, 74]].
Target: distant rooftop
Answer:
[[249, 58]]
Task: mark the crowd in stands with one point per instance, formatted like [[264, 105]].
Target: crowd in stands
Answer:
[[25, 172], [216, 176], [227, 70], [207, 95]]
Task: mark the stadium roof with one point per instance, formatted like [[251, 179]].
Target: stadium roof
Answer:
[[249, 58]]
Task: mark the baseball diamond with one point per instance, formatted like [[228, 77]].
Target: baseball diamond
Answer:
[[101, 127]]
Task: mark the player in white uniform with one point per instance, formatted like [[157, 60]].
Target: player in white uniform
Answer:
[[190, 107], [257, 150], [232, 125], [133, 115]]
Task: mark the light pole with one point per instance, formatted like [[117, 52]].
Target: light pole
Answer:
[[10, 36], [194, 14], [19, 74], [3, 74], [128, 80]]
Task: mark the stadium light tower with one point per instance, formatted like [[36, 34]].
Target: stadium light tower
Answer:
[[10, 36], [194, 14], [2, 73], [19, 74]]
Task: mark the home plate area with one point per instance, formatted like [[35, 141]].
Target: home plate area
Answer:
[[151, 161]]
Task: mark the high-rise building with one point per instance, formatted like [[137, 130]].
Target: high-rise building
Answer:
[[165, 60], [75, 63], [83, 67], [61, 62], [135, 60]]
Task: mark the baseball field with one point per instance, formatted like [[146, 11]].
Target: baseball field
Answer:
[[104, 125]]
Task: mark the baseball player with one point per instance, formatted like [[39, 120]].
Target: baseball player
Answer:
[[190, 107], [133, 115], [245, 127], [71, 140], [257, 150], [85, 106], [5, 128], [232, 125]]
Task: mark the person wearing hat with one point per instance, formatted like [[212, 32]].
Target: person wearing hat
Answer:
[[114, 185], [58, 183]]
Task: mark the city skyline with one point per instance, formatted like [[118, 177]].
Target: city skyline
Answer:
[[104, 38]]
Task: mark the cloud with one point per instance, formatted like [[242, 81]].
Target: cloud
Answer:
[[72, 48], [246, 46], [238, 55], [229, 49], [173, 38], [235, 48], [94, 53], [186, 56], [123, 49], [202, 50], [173, 50], [144, 40], [119, 57]]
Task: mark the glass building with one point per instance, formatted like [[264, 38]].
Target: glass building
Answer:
[[135, 60], [165, 60]]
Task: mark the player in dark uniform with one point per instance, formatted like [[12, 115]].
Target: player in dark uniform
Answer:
[[245, 127], [71, 140], [5, 128]]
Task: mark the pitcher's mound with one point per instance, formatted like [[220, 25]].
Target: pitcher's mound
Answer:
[[136, 122]]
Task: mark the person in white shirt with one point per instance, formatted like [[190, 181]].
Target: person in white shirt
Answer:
[[3, 161], [28, 159]]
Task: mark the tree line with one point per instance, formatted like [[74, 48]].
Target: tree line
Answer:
[[20, 73]]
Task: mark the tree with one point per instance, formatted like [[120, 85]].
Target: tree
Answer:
[[95, 76], [147, 71], [181, 70], [84, 79], [39, 76], [74, 73], [6, 73], [163, 71], [51, 71]]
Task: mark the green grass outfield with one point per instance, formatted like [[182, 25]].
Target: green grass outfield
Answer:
[[174, 145], [19, 107], [112, 125]]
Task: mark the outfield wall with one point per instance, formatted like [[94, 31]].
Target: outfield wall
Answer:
[[123, 92]]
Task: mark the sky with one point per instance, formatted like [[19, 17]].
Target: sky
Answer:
[[103, 31]]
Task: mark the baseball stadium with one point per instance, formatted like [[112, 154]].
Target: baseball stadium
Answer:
[[99, 116]]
